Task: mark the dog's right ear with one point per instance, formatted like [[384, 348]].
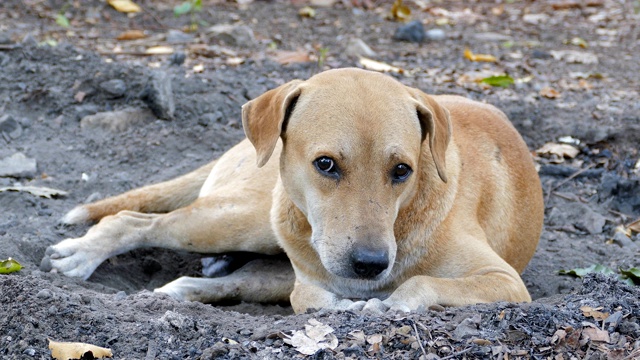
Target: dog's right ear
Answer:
[[263, 118]]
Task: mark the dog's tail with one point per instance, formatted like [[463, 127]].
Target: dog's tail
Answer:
[[158, 198]]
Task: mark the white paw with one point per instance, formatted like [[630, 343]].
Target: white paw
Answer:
[[73, 257], [76, 216], [183, 289], [397, 305]]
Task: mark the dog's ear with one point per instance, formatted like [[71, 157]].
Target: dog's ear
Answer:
[[263, 118], [435, 123]]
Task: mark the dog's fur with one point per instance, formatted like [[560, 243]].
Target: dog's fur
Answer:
[[458, 230]]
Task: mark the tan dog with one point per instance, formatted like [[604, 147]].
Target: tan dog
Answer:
[[383, 197]]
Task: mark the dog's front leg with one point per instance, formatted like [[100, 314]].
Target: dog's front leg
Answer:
[[310, 297]]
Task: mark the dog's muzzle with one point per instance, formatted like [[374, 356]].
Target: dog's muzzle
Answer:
[[369, 263]]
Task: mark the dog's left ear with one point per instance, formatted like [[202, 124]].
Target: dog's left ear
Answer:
[[435, 121], [263, 118]]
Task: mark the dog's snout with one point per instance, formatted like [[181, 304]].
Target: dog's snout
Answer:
[[369, 263]]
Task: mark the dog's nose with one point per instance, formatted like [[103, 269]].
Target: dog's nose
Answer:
[[368, 263]]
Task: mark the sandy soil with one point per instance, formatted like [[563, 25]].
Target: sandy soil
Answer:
[[47, 90]]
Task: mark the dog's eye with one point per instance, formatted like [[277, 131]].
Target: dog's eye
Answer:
[[326, 166], [401, 173]]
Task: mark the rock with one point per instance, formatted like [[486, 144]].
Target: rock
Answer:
[[623, 240], [177, 58], [209, 118], [85, 110], [435, 35], [5, 39], [234, 35], [177, 36], [115, 87], [539, 54], [119, 296], [18, 166], [579, 215], [357, 48], [158, 95], [44, 294], [10, 126], [412, 32], [117, 121]]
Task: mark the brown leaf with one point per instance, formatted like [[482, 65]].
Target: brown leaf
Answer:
[[290, 57], [549, 93], [131, 35], [76, 350], [635, 226], [399, 11], [588, 311], [124, 6], [478, 57], [595, 334], [560, 150]]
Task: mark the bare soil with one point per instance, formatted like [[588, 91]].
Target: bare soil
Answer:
[[586, 197]]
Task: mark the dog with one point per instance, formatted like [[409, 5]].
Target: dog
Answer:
[[381, 196]]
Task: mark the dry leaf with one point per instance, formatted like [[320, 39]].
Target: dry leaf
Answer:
[[316, 336], [549, 93], [307, 11], [595, 334], [132, 35], [562, 150], [79, 96], [374, 339], [478, 57], [635, 226], [159, 50], [75, 350], [399, 11], [588, 311], [379, 66], [289, 57], [37, 191], [125, 6]]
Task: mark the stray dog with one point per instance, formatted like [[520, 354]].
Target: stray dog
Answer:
[[382, 197]]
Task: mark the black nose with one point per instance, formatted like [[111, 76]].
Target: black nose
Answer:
[[368, 263]]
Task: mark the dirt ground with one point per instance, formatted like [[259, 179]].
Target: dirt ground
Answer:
[[577, 74]]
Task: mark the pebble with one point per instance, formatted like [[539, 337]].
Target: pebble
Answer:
[[115, 87], [539, 54], [412, 32], [234, 35], [44, 294], [10, 127], [210, 118], [357, 48], [177, 36], [435, 35], [117, 121], [84, 110], [120, 295], [18, 166], [177, 58], [623, 240], [158, 95], [578, 214]]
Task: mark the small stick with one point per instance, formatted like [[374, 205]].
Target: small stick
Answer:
[[424, 352], [456, 354]]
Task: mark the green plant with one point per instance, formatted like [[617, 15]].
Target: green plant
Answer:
[[190, 7]]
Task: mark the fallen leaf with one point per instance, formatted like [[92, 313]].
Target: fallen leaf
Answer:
[[595, 334], [76, 350], [632, 274], [159, 50], [579, 42], [290, 57], [549, 93], [379, 66], [124, 6], [316, 336], [79, 96], [9, 266], [399, 11], [62, 21], [131, 35], [478, 57], [581, 272], [307, 11], [481, 342], [374, 339], [588, 311], [499, 80], [35, 190], [558, 336], [635, 226], [560, 150]]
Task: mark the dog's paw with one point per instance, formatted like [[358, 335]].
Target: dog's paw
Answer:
[[72, 257], [396, 306], [79, 215], [184, 289]]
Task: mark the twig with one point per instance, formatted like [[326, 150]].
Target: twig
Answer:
[[456, 354], [424, 352], [573, 176]]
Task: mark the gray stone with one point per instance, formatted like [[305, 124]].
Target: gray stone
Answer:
[[18, 166], [234, 35], [623, 240], [116, 121], [177, 36], [357, 48], [85, 110], [435, 35], [579, 215], [158, 95], [10, 126], [412, 32], [177, 58], [210, 118], [115, 87], [44, 294]]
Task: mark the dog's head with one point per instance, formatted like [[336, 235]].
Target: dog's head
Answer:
[[354, 143]]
